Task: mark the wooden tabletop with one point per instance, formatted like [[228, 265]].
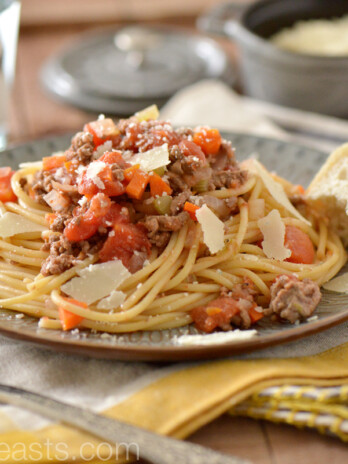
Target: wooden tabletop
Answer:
[[34, 114]]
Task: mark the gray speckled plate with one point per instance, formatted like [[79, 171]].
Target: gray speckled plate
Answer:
[[296, 163]]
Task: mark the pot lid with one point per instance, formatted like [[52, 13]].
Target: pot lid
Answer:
[[124, 70]]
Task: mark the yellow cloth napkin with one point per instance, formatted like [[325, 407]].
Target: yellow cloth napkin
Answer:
[[182, 401]]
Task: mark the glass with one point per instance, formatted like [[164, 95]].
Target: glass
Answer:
[[9, 22]]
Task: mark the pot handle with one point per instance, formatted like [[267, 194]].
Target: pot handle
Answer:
[[221, 19]]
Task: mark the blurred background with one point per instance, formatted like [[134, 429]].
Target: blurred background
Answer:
[[47, 27]]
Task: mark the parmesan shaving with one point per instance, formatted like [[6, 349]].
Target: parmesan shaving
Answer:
[[273, 230], [216, 338], [213, 229], [152, 159], [338, 284], [12, 224], [114, 300], [96, 281], [274, 188]]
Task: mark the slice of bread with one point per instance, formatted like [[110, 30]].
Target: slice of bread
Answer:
[[328, 191]]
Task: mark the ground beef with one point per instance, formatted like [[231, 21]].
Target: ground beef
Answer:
[[42, 185], [181, 164], [227, 179], [65, 254], [81, 148], [232, 204], [176, 182], [158, 227], [58, 224], [179, 201], [117, 172], [225, 158], [293, 299]]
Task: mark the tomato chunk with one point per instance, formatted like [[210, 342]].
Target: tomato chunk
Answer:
[[84, 226], [102, 130], [6, 192], [191, 149], [217, 313], [300, 245], [108, 184], [209, 140], [122, 243]]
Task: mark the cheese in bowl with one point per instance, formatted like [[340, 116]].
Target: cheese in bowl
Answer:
[[326, 37]]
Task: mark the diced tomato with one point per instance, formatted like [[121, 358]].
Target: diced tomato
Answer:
[[209, 140], [189, 148], [123, 241], [255, 315], [117, 214], [6, 192], [137, 185], [191, 209], [102, 130], [84, 226], [114, 157], [112, 187], [68, 319], [158, 186], [53, 162], [217, 313], [301, 246], [100, 205]]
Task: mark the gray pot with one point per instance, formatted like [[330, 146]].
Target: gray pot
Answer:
[[312, 83]]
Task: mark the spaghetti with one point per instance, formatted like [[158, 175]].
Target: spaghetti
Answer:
[[178, 276]]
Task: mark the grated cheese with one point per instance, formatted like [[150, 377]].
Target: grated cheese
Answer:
[[114, 300], [338, 284], [216, 337], [12, 224], [213, 229], [273, 230], [274, 188], [152, 159], [96, 281], [92, 173]]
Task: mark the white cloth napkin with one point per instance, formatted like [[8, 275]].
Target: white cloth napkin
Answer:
[[99, 384]]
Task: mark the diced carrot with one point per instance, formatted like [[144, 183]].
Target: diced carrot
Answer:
[[137, 185], [129, 172], [191, 209], [209, 140], [68, 319], [53, 162], [255, 315], [158, 186]]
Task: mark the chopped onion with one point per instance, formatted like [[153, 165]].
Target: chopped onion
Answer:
[[217, 204], [56, 200], [64, 187]]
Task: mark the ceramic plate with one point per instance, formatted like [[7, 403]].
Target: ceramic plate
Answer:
[[296, 163]]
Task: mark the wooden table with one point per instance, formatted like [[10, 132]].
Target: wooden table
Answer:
[[34, 114]]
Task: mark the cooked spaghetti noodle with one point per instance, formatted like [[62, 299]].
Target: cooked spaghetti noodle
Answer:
[[176, 278]]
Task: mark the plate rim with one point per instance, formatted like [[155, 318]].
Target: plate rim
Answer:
[[168, 353]]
